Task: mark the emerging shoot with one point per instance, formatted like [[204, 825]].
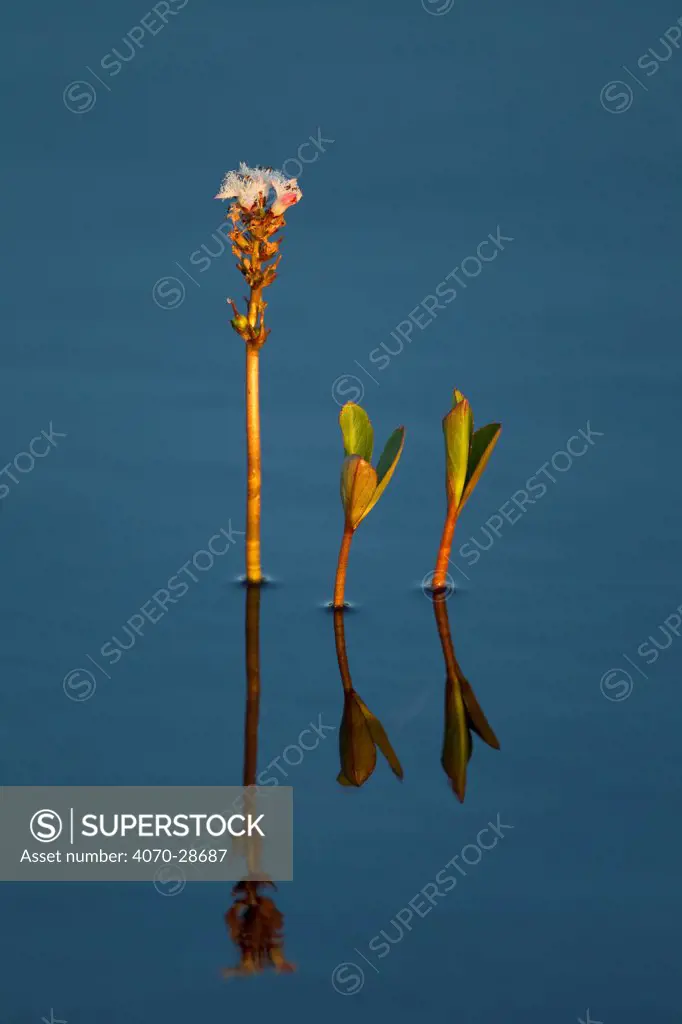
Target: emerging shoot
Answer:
[[361, 484], [466, 455]]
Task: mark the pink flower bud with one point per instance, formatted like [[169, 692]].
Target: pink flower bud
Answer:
[[287, 192], [284, 201]]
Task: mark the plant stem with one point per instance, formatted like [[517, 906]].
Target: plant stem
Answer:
[[254, 573], [253, 460], [439, 581], [340, 584]]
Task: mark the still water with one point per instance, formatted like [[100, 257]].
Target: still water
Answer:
[[421, 130]]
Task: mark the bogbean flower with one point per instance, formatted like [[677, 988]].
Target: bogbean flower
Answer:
[[232, 186], [259, 197], [248, 185], [287, 193]]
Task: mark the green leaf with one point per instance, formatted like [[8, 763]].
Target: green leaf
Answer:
[[391, 453], [482, 444], [356, 746], [358, 435], [358, 484], [457, 427], [457, 397], [378, 734], [457, 739], [386, 465]]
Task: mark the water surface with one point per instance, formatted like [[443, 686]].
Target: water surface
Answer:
[[446, 129]]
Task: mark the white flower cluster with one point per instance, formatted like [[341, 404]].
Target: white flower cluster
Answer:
[[248, 183]]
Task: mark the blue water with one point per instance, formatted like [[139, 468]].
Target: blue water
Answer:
[[434, 132]]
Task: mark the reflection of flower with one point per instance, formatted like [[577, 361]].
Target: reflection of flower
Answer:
[[359, 736], [256, 927]]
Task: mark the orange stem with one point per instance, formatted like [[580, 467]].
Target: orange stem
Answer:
[[254, 573], [340, 584], [439, 581], [253, 460]]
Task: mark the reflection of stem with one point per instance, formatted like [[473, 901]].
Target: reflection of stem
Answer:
[[441, 570], [252, 684], [442, 621], [340, 638], [252, 713], [361, 733], [459, 696], [457, 736], [253, 921], [253, 460], [340, 584]]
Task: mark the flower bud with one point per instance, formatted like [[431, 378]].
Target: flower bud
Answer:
[[240, 323], [283, 202]]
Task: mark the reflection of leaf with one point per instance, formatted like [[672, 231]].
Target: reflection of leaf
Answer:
[[360, 734], [356, 746], [358, 435], [463, 713], [457, 739], [358, 484], [477, 720], [386, 465], [457, 427], [482, 444], [378, 734]]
